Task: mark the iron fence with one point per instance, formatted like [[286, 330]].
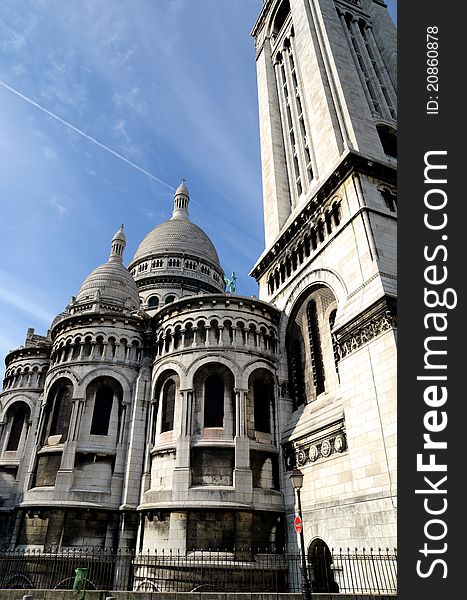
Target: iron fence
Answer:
[[341, 571]]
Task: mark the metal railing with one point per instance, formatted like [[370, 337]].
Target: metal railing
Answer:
[[342, 571]]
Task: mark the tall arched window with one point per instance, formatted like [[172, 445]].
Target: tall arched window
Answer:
[[61, 413], [311, 349], [296, 374], [315, 347], [214, 401], [103, 402], [168, 406], [18, 414], [262, 406]]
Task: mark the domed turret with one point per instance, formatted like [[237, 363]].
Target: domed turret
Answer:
[[111, 283], [176, 258]]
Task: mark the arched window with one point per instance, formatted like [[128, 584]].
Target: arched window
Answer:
[[169, 299], [103, 402], [262, 406], [153, 302], [296, 374], [61, 413], [315, 347], [281, 15], [214, 402], [19, 415], [168, 406]]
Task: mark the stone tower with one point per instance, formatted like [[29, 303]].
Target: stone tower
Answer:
[[327, 109]]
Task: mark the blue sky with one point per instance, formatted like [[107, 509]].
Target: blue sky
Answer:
[[171, 86]]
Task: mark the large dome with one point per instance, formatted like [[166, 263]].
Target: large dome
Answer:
[[111, 282], [177, 235], [176, 259]]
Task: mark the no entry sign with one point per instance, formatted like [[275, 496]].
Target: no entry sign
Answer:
[[297, 523]]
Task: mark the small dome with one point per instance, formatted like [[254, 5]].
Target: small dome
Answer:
[[111, 281]]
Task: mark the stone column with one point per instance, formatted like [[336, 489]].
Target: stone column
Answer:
[[130, 452], [242, 479], [64, 479], [181, 478], [177, 531]]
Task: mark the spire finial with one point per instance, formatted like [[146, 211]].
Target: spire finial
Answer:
[[181, 201]]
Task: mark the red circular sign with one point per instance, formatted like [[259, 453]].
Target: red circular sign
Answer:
[[298, 526]]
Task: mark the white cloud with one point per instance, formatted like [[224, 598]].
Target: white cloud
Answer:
[[19, 301], [61, 203]]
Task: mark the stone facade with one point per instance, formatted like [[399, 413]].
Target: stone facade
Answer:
[[162, 412], [326, 86]]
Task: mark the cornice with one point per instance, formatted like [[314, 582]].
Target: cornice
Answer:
[[351, 163]]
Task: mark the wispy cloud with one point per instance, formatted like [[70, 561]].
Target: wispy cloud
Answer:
[[20, 302], [60, 203]]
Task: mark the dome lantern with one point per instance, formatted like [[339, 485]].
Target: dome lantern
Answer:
[[181, 201], [118, 246]]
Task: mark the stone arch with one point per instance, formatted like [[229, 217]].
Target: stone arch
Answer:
[[166, 391], [57, 412], [168, 365], [319, 560], [313, 530], [214, 385], [17, 398], [104, 406], [17, 419], [232, 365], [324, 277], [278, 17], [103, 371], [309, 344], [261, 405], [248, 368]]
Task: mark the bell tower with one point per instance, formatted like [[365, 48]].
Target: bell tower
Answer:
[[326, 87], [326, 76]]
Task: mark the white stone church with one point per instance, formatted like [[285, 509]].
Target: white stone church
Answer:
[[161, 411]]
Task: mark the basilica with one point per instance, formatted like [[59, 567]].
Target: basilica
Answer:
[[162, 411]]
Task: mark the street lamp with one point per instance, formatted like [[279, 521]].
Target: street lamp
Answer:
[[297, 481]]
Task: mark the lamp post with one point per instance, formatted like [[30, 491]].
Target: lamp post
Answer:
[[297, 481]]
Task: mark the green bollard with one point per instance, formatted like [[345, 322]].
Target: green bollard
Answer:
[[79, 584]]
